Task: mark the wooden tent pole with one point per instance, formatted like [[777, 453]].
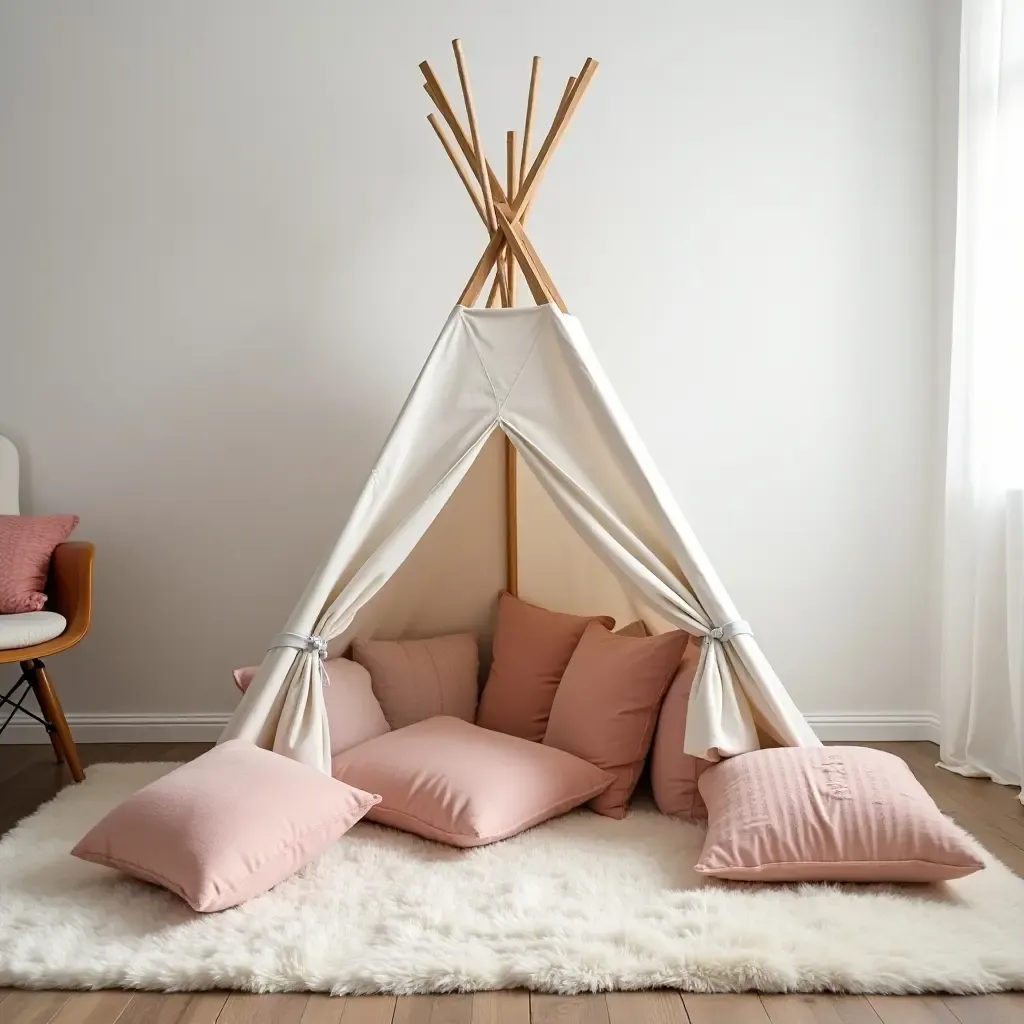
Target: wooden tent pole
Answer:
[[531, 103], [479, 161], [457, 164], [512, 186]]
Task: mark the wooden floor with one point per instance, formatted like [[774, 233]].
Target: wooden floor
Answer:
[[28, 777]]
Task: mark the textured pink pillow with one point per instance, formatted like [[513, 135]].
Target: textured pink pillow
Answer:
[[448, 780], [26, 544], [354, 714], [607, 704], [418, 679], [226, 827], [674, 774], [532, 646], [828, 814]]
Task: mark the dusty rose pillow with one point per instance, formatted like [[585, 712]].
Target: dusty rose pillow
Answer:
[[607, 704], [354, 714], [418, 679], [532, 646], [456, 783], [674, 774], [26, 544], [226, 827], [826, 814]]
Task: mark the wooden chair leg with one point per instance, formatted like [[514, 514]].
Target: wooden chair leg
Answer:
[[49, 704]]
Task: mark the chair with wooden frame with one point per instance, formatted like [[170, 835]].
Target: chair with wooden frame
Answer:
[[69, 589]]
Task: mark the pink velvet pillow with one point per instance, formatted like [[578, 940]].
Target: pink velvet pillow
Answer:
[[826, 814], [607, 704], [456, 783], [418, 679], [674, 774], [532, 646], [227, 826], [354, 714], [26, 544]]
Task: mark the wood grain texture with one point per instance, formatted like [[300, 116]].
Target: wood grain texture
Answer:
[[92, 1008], [30, 777], [585, 1009], [911, 1010], [730, 1009], [648, 1007], [502, 1007]]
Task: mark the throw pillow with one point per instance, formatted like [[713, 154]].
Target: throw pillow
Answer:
[[26, 544], [826, 814], [607, 705], [674, 773], [532, 646], [456, 783], [227, 826], [418, 679], [354, 714]]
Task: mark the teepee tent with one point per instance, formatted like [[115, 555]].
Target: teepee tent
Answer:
[[514, 464]]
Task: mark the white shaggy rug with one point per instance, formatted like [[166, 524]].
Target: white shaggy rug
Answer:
[[582, 903]]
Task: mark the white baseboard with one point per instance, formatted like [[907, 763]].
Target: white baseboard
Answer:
[[200, 728], [876, 725]]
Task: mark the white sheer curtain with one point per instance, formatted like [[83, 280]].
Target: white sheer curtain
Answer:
[[982, 667]]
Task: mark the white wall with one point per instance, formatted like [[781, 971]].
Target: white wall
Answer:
[[228, 237]]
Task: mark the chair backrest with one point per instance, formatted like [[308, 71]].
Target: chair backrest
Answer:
[[8, 478]]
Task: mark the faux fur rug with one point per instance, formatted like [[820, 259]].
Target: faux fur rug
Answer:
[[582, 903]]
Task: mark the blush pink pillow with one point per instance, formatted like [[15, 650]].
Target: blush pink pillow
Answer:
[[532, 646], [354, 714], [226, 827], [674, 773], [418, 679], [456, 783], [607, 704], [26, 544], [827, 814]]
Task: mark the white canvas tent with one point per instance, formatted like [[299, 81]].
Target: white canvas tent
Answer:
[[577, 518]]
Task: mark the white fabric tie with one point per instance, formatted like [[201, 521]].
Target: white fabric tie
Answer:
[[301, 642], [737, 627]]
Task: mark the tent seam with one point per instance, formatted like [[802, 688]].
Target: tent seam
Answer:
[[515, 380], [483, 365]]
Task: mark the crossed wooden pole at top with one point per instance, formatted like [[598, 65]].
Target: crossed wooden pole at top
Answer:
[[504, 208]]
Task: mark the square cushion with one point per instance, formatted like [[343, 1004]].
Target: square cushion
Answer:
[[829, 814], [418, 679], [354, 714], [227, 826], [674, 773], [532, 646], [456, 783], [607, 705], [26, 544]]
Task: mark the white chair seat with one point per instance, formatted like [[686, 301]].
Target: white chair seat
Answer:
[[25, 629]]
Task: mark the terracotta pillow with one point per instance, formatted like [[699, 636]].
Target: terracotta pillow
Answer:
[[532, 646], [354, 714], [674, 774], [826, 814], [456, 783], [418, 679], [225, 827], [607, 704], [26, 544]]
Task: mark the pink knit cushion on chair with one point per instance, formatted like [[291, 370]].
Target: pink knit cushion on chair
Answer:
[[26, 545], [354, 714], [227, 826], [826, 814]]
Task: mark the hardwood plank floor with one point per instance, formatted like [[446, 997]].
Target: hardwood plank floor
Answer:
[[29, 777]]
